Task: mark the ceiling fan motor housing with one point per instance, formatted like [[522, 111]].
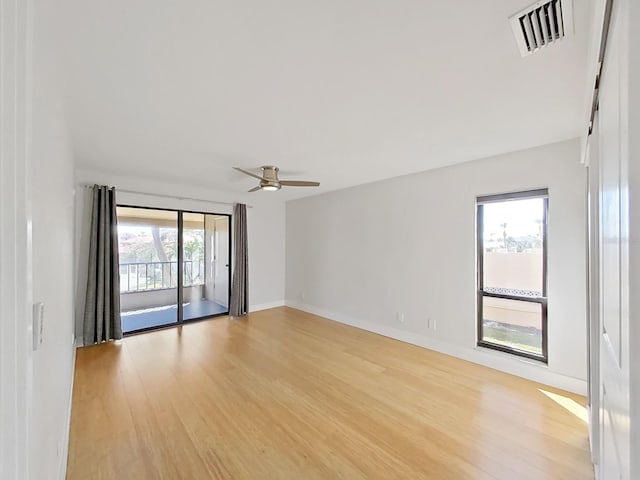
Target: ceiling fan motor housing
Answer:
[[270, 178]]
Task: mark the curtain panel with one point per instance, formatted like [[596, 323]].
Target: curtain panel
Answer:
[[101, 320], [240, 282]]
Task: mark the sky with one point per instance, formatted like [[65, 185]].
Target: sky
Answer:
[[519, 215]]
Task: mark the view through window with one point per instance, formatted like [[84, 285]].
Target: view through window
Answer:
[[512, 297]]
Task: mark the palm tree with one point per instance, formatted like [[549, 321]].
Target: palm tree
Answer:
[[539, 233], [162, 255], [504, 234]]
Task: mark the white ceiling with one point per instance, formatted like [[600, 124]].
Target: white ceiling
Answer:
[[339, 91]]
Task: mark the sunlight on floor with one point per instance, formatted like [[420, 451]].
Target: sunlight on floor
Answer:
[[152, 309], [569, 404]]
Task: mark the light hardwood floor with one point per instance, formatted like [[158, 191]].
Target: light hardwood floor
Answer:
[[288, 395]]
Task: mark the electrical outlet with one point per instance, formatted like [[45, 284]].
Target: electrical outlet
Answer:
[[400, 317], [429, 323], [302, 295]]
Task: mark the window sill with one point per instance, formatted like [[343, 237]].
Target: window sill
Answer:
[[538, 362]]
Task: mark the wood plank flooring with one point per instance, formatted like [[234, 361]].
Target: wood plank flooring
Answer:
[[288, 395]]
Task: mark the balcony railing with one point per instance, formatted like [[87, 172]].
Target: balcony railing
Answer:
[[145, 276]]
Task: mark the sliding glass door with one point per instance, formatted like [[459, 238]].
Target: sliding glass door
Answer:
[[205, 251], [174, 266], [148, 247]]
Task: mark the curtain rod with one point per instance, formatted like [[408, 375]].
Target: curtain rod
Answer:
[[171, 196]]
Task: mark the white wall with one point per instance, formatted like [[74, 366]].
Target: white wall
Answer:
[[407, 245], [53, 259], [265, 226]]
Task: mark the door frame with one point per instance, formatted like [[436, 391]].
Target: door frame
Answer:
[[16, 358], [593, 290]]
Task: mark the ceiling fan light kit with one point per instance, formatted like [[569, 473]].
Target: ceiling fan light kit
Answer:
[[270, 182]]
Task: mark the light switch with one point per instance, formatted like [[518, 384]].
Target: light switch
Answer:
[[38, 324]]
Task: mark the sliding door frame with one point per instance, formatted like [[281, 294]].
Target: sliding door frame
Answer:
[[180, 267], [181, 264]]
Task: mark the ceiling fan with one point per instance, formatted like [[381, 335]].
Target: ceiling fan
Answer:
[[269, 180]]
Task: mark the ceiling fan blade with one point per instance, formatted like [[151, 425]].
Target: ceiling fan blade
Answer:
[[255, 189], [299, 183], [247, 172]]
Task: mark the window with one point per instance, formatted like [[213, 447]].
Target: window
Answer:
[[512, 273]]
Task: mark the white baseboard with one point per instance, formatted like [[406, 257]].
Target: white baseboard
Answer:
[[64, 453], [265, 306], [497, 360]]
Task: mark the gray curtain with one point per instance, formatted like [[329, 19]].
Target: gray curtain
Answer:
[[102, 307], [240, 282]]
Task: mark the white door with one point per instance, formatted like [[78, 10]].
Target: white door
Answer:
[[221, 269], [614, 252]]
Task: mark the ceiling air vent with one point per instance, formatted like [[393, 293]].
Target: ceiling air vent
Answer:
[[542, 24]]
